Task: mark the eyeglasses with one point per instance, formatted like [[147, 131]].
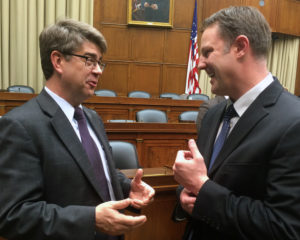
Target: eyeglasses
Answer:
[[89, 61]]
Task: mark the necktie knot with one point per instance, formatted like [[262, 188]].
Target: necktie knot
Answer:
[[78, 114], [229, 113]]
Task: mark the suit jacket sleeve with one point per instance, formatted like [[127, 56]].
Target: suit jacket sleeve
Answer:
[[23, 212]]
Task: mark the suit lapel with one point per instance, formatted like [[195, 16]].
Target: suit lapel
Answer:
[[253, 115], [66, 133], [249, 119]]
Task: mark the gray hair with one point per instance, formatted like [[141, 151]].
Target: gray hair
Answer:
[[243, 20], [67, 36]]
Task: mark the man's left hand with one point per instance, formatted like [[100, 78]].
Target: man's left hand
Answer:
[[141, 193], [187, 201]]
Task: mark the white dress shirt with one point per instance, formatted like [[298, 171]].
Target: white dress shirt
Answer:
[[243, 103], [69, 110]]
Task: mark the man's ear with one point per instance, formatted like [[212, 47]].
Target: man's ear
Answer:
[[56, 59], [241, 45]]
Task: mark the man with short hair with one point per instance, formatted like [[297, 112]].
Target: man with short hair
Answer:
[[57, 176], [241, 180]]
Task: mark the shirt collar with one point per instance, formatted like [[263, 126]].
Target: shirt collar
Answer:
[[66, 107], [242, 104]]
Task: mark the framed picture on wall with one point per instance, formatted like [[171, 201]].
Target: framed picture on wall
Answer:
[[151, 12]]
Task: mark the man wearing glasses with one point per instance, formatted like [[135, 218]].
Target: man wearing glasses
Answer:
[[56, 169]]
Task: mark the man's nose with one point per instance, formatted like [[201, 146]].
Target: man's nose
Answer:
[[201, 64], [97, 70]]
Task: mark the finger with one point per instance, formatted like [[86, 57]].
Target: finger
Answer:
[[126, 223], [194, 149], [121, 204], [152, 193], [179, 158], [132, 221], [190, 207], [138, 176], [189, 200], [188, 155], [137, 202], [149, 190]]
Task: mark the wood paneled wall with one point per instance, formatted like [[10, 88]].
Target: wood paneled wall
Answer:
[[152, 59], [282, 15]]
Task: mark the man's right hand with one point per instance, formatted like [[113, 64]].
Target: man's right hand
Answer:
[[110, 221]]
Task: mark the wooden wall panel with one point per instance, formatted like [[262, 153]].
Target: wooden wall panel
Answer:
[[268, 10], [174, 79], [288, 17], [282, 15], [183, 13], [134, 45], [154, 151], [146, 50], [112, 11], [145, 77], [147, 44], [118, 42], [115, 77], [212, 6], [177, 47]]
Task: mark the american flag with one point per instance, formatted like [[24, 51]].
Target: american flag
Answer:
[[192, 84]]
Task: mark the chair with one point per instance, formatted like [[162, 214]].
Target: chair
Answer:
[[188, 116], [198, 96], [169, 95], [151, 115], [20, 89], [124, 155], [105, 93], [139, 94]]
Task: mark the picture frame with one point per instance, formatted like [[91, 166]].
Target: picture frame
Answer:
[[152, 13]]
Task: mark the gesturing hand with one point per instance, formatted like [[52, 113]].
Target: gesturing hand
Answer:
[[110, 221], [189, 168], [141, 193], [187, 200], [154, 6]]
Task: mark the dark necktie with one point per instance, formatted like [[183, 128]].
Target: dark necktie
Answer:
[[229, 113], [92, 151]]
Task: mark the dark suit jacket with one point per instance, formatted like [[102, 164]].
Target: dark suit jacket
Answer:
[[48, 188], [254, 187]]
